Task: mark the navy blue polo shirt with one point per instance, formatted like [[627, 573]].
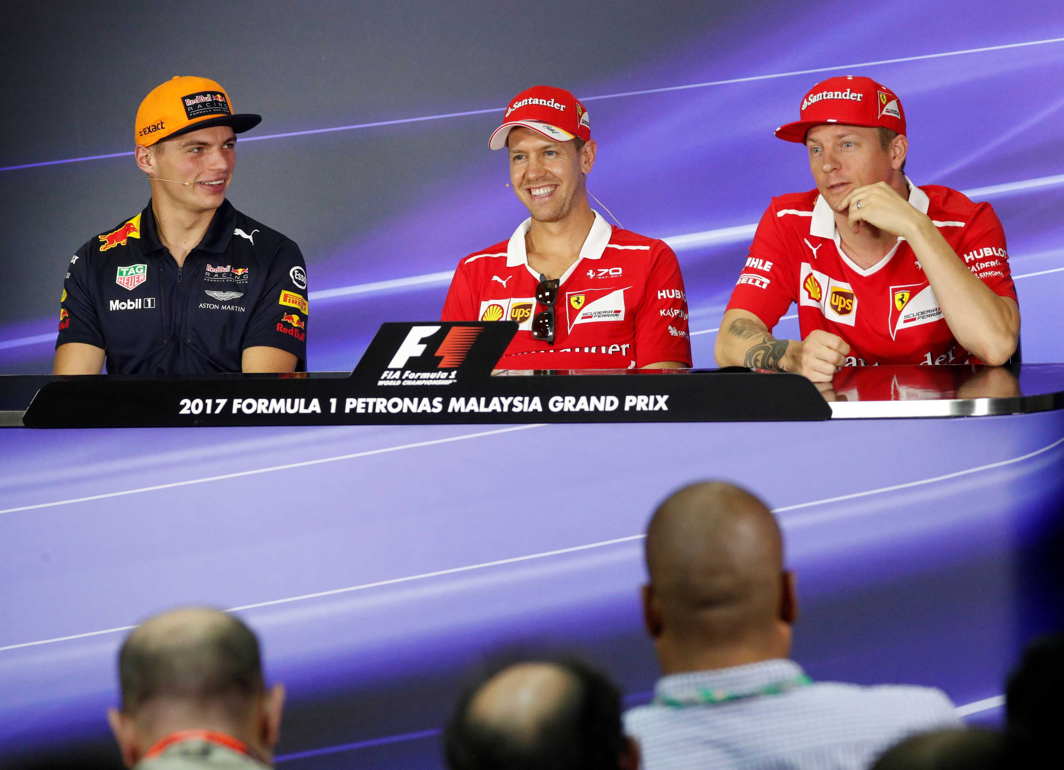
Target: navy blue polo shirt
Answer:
[[244, 285]]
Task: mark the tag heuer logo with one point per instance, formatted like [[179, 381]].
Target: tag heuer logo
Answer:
[[131, 276]]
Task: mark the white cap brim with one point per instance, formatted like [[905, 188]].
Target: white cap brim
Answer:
[[498, 137]]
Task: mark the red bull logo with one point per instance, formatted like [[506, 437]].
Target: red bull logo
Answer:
[[240, 271], [119, 237], [64, 319], [293, 320]]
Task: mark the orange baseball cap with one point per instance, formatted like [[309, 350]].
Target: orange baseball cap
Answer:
[[186, 103]]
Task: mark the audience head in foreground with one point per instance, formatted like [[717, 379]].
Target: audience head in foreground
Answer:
[[193, 694], [540, 715], [1034, 712], [948, 749], [720, 607]]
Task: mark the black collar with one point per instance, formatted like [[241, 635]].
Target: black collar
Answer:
[[215, 240]]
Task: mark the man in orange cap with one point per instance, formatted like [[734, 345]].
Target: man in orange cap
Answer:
[[585, 295], [189, 285], [882, 271]]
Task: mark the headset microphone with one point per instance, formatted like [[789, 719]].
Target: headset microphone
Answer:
[[175, 181]]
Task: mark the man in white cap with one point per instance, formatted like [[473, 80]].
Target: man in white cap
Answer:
[[585, 294], [189, 285], [882, 271]]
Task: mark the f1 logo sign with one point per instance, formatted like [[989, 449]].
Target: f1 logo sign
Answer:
[[451, 351], [412, 346]]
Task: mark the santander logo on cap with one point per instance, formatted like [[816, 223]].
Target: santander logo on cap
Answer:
[[533, 100], [811, 99], [553, 112], [848, 100]]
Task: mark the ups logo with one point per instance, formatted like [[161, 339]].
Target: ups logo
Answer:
[[812, 288], [841, 301], [520, 311]]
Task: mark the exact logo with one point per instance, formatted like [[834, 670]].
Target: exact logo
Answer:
[[147, 130]]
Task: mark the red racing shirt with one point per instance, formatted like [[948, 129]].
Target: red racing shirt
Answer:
[[620, 305], [888, 313]]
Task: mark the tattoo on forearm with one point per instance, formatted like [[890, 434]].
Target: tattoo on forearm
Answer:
[[764, 354], [745, 329]]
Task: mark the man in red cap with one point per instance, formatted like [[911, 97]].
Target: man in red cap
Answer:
[[189, 285], [882, 271], [585, 295]]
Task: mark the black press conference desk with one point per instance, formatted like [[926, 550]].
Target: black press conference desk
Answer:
[[381, 554]]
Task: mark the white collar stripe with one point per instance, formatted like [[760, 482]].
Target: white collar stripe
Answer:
[[597, 240]]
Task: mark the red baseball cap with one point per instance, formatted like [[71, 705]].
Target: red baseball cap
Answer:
[[553, 112], [849, 100]]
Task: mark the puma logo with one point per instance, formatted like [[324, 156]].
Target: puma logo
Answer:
[[500, 280], [249, 236], [812, 248]]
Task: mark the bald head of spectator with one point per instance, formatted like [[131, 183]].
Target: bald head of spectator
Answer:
[[537, 716], [718, 594], [198, 669]]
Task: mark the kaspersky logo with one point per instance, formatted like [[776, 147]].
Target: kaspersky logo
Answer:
[[130, 229], [452, 351]]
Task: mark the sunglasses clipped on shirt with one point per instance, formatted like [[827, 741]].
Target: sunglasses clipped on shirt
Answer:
[[543, 321]]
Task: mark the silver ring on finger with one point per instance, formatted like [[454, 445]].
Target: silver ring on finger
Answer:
[[860, 203]]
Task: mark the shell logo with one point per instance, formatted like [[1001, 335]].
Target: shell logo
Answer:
[[812, 288], [493, 312]]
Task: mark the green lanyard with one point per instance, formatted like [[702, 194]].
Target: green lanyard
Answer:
[[706, 697]]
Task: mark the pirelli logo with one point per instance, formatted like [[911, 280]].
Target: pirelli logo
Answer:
[[298, 301]]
